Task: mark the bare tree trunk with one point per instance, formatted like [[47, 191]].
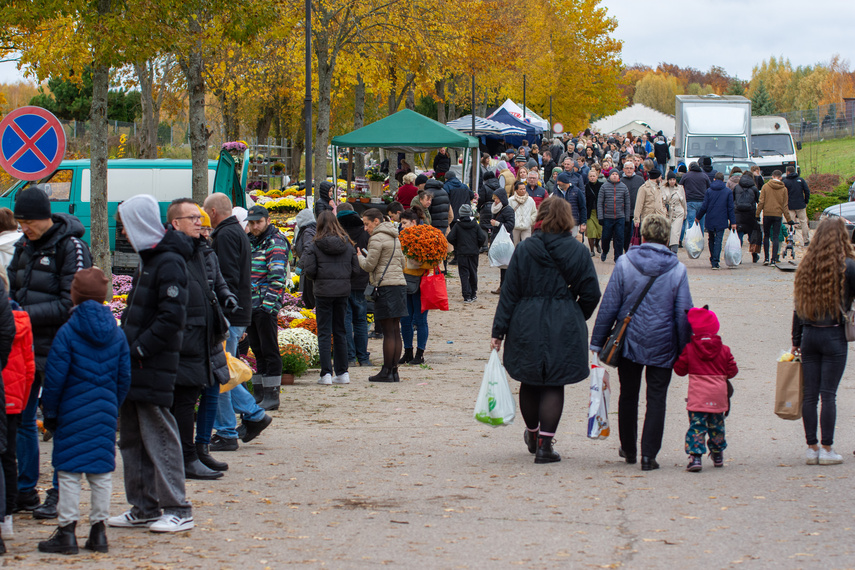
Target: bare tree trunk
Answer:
[[99, 230], [229, 107], [265, 121], [297, 149], [148, 136], [452, 104], [192, 66], [326, 64], [358, 123], [440, 105]]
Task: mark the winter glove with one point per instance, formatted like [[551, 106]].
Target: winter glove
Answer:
[[231, 305], [50, 424]]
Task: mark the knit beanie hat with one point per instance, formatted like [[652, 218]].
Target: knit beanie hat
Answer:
[[564, 178], [89, 284], [465, 211], [32, 204], [421, 179], [653, 174], [206, 219], [671, 175], [703, 321]]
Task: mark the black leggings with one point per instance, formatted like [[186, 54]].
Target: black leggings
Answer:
[[541, 406], [393, 344], [824, 351]]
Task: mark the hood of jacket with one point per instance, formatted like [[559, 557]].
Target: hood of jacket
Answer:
[[793, 176], [433, 185], [708, 346], [453, 183], [695, 166], [304, 218], [386, 228], [492, 184], [747, 180], [776, 185], [718, 185], [332, 245], [652, 259], [141, 219], [94, 322], [324, 191], [349, 220], [539, 248], [502, 196]]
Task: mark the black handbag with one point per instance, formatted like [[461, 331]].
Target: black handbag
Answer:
[[372, 292], [612, 350]]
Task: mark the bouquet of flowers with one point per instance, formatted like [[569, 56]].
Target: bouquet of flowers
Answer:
[[234, 146], [424, 244]]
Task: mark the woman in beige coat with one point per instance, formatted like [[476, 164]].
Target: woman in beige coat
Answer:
[[650, 199], [676, 197], [384, 263]]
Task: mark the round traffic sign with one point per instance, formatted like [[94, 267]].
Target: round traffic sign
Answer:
[[557, 128], [32, 143]]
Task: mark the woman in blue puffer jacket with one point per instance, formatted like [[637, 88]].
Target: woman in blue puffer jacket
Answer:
[[654, 338]]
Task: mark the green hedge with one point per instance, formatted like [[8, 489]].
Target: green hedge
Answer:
[[819, 202]]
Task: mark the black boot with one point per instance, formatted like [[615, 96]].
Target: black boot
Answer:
[[204, 453], [395, 376], [545, 453], [2, 547], [408, 356], [223, 444], [257, 388], [97, 538], [27, 501], [648, 463], [385, 375], [270, 400], [62, 541], [195, 470], [419, 358], [47, 510], [253, 429]]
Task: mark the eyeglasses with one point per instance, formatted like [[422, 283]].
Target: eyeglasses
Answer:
[[196, 218]]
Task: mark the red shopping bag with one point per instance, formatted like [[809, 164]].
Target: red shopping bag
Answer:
[[636, 236], [433, 291]]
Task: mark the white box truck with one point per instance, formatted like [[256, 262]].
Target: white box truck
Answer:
[[717, 126], [772, 146]]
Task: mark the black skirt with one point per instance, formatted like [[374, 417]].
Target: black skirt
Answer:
[[391, 303]]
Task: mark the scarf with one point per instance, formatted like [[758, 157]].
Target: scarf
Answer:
[[520, 200], [496, 208]]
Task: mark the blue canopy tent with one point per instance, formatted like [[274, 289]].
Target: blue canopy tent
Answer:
[[532, 133]]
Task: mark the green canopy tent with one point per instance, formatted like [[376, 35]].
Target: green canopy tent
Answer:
[[405, 131]]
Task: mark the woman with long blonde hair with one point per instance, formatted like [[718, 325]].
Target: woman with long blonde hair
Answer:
[[824, 289]]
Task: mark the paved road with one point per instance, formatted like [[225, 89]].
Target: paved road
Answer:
[[367, 475]]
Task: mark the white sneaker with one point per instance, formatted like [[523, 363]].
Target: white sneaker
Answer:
[[172, 523], [6, 530], [342, 379], [326, 379], [829, 457], [129, 520], [812, 456]]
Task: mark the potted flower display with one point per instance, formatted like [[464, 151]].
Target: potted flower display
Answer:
[[365, 197], [375, 181], [295, 362], [424, 244]]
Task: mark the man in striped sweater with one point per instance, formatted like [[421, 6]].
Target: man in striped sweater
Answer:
[[269, 275]]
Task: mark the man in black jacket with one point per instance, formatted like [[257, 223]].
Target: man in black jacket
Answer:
[[799, 196], [695, 184], [40, 276], [154, 326], [468, 239], [355, 323], [633, 182], [231, 245]]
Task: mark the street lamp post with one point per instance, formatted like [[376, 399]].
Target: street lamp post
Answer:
[[307, 110]]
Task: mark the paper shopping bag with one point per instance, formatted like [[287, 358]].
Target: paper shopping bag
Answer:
[[788, 390]]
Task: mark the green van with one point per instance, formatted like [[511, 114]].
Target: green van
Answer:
[[165, 179]]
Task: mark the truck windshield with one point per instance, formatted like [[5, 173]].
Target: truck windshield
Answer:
[[776, 144], [731, 147]]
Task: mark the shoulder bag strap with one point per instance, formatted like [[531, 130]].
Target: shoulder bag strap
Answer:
[[394, 246], [641, 297]]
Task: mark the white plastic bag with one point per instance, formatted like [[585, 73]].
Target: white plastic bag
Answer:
[[732, 250], [694, 241], [502, 249], [495, 405], [598, 409]]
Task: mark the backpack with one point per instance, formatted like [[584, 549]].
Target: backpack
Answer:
[[744, 199]]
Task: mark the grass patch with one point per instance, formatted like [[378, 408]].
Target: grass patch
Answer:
[[835, 156]]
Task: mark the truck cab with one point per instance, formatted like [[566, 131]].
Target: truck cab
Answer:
[[772, 146]]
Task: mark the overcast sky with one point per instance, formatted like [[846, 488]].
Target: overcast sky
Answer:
[[733, 34]]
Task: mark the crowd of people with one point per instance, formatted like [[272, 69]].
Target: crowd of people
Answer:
[[211, 280]]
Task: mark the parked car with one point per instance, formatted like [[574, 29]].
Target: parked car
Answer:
[[845, 210]]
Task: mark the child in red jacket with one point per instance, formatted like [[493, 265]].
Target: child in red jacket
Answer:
[[709, 365], [18, 379]]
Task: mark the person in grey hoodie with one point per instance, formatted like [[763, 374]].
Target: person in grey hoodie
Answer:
[[614, 207]]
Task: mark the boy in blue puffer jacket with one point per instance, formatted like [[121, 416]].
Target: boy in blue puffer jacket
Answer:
[[87, 376]]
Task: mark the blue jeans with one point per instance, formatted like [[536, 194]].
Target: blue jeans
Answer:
[[663, 168], [715, 237], [207, 413], [237, 400], [416, 318], [691, 210], [612, 230], [356, 327], [28, 440]]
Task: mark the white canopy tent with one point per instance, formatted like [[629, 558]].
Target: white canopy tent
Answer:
[[483, 127], [530, 116], [635, 115]]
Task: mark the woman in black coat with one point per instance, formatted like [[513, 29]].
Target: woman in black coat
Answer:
[[331, 263], [551, 289]]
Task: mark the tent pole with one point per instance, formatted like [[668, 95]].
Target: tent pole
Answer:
[[523, 96], [550, 117], [473, 179], [349, 168]]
